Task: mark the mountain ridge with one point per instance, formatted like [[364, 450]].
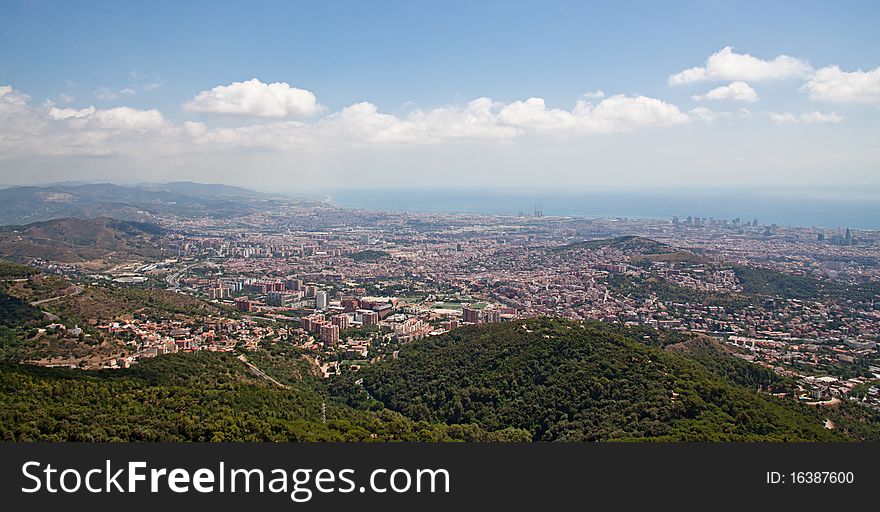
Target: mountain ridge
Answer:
[[32, 203]]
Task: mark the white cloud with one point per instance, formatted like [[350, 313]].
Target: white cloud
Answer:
[[278, 135], [126, 118], [709, 116], [783, 117], [70, 113], [362, 122], [11, 100], [725, 64], [739, 91], [703, 114], [832, 84], [46, 130], [256, 99], [128, 91], [622, 113], [597, 94], [118, 118], [481, 119], [195, 129], [819, 117], [51, 130], [617, 113], [476, 120], [807, 117]]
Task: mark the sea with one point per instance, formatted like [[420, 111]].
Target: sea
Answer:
[[827, 208]]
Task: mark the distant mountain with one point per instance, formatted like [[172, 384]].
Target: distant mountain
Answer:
[[22, 205], [205, 190], [75, 240], [588, 381]]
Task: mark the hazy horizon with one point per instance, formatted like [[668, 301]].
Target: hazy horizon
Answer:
[[827, 207]]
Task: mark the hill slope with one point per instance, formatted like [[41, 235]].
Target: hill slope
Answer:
[[568, 381], [73, 240], [193, 397], [22, 205], [627, 244]]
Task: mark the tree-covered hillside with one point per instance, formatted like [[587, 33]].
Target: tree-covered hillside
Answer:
[[195, 397], [571, 381], [628, 243]]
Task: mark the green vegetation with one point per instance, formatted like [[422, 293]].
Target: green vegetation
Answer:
[[15, 312], [76, 240], [10, 270], [194, 397], [285, 363], [568, 381], [448, 305], [762, 281], [541, 379], [629, 243], [80, 305], [365, 331], [104, 303], [368, 255], [643, 288], [40, 287], [673, 257]]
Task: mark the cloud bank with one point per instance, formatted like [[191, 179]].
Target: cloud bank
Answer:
[[274, 117]]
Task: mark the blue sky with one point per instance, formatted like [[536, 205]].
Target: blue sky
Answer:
[[402, 57]]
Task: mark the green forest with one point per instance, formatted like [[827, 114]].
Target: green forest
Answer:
[[196, 397], [530, 380], [572, 381]]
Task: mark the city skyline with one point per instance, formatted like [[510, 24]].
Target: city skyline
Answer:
[[486, 96]]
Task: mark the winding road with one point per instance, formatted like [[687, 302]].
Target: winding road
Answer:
[[261, 373], [76, 290]]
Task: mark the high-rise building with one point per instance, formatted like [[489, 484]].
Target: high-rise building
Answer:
[[312, 323], [330, 334], [243, 304], [277, 299], [368, 317], [470, 315], [219, 293], [320, 299], [340, 321]]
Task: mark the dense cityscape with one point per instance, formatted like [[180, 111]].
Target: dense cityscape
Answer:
[[350, 287]]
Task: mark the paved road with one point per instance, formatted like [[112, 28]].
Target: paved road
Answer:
[[76, 290], [261, 373]]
